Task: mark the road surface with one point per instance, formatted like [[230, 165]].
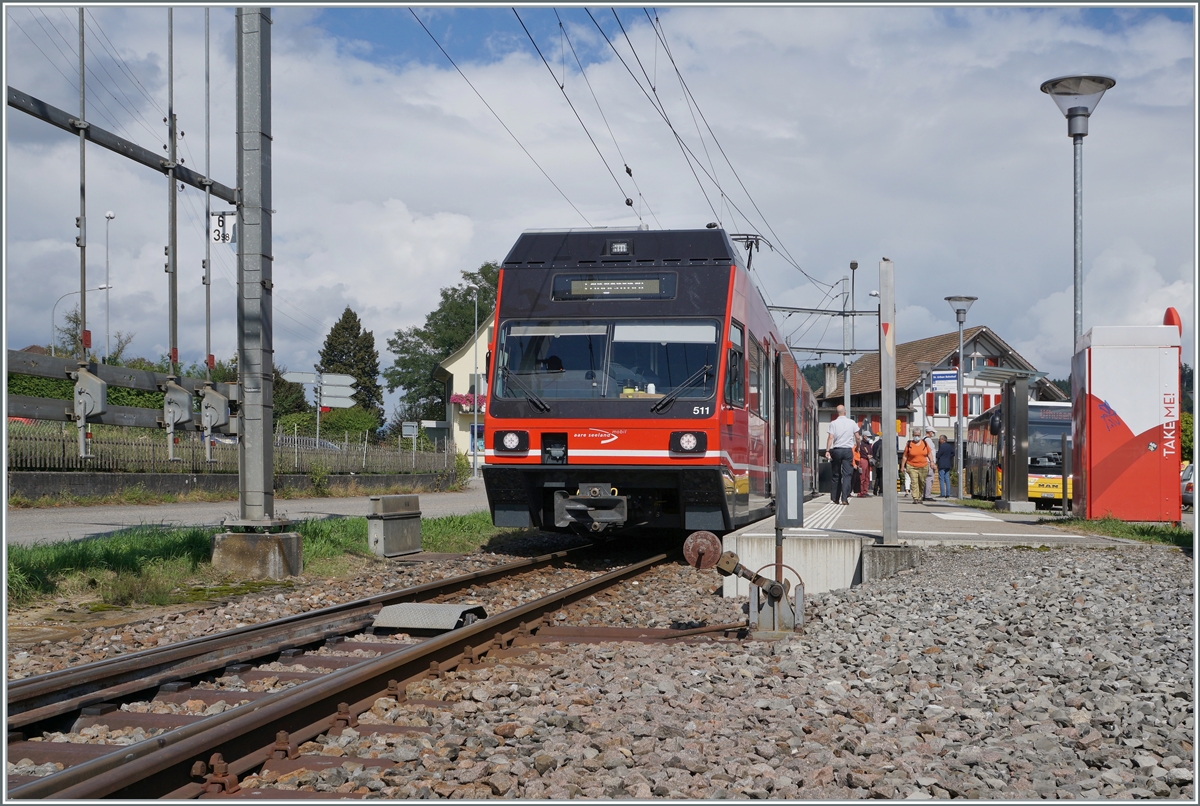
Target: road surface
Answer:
[[52, 524]]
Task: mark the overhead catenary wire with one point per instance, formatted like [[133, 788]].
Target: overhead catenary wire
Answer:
[[112, 50], [600, 109], [498, 118], [70, 81], [132, 107], [679, 140], [105, 113], [562, 87], [657, 25]]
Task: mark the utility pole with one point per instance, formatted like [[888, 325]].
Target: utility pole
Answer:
[[255, 348], [887, 387], [172, 203], [85, 338], [208, 356]]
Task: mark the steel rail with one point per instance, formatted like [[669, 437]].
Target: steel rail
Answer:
[[164, 763], [55, 693]]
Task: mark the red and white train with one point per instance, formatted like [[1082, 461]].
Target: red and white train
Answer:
[[638, 380]]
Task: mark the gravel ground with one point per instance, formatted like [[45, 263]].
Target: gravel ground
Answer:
[[999, 674]]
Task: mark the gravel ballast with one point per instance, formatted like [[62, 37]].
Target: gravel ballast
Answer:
[[991, 673]]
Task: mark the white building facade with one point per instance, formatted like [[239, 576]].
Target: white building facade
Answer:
[[464, 372]]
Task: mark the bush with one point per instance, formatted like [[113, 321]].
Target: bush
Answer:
[[462, 469], [318, 474], [335, 425]]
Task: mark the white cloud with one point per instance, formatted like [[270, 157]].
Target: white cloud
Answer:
[[915, 133], [1123, 287]]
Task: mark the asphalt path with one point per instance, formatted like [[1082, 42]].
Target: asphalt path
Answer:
[[53, 524]]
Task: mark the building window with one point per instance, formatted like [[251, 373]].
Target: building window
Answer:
[[974, 405], [941, 403]]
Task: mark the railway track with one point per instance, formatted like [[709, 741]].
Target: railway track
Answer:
[[244, 719], [47, 701]]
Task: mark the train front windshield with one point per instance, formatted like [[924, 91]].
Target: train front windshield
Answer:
[[607, 359]]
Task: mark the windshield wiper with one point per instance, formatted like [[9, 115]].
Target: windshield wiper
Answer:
[[669, 398], [533, 399]]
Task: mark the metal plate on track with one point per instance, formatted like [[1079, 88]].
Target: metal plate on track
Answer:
[[421, 616]]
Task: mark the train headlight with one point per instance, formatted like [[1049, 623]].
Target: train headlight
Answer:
[[511, 441], [689, 442]]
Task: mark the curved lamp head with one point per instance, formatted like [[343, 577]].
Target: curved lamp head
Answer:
[[1070, 92], [110, 215], [1077, 97], [961, 305], [925, 367]]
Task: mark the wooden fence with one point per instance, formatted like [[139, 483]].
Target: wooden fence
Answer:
[[50, 446]]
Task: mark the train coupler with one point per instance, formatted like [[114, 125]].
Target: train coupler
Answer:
[[594, 507]]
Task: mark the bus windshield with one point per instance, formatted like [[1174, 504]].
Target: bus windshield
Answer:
[[1047, 424], [609, 359], [1045, 447]]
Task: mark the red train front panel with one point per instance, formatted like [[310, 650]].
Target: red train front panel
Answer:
[[633, 391]]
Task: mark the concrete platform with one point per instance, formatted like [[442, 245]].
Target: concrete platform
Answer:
[[829, 551]]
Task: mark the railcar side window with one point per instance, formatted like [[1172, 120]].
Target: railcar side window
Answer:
[[754, 398], [735, 371]]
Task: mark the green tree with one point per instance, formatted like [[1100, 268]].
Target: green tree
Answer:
[[1186, 432], [1185, 386], [350, 350], [418, 350], [66, 340]]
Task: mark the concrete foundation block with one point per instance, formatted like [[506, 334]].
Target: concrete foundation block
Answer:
[[824, 563], [258, 556], [880, 562], [1016, 506]]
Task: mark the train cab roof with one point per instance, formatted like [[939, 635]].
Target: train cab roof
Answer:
[[606, 248]]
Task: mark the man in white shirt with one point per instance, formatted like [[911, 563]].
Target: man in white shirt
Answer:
[[839, 447]]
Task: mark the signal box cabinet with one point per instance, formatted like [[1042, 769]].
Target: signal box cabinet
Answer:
[[1125, 423], [394, 525]]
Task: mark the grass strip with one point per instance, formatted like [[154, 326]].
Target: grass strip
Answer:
[[159, 565], [1112, 527]]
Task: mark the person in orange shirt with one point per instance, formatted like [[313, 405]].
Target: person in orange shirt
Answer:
[[916, 463]]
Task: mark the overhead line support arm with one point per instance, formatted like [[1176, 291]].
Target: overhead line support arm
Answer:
[[71, 123]]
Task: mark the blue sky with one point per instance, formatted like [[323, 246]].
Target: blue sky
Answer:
[[478, 34], [913, 132], [489, 34]]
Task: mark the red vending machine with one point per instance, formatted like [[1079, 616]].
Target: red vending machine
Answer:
[[1125, 422]]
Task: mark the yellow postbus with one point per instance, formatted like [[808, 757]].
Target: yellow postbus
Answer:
[[1048, 422]]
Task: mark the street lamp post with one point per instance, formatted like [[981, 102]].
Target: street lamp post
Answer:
[[925, 368], [1077, 97], [960, 305], [54, 310], [108, 217]]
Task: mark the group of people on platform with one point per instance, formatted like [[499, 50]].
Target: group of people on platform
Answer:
[[856, 456]]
